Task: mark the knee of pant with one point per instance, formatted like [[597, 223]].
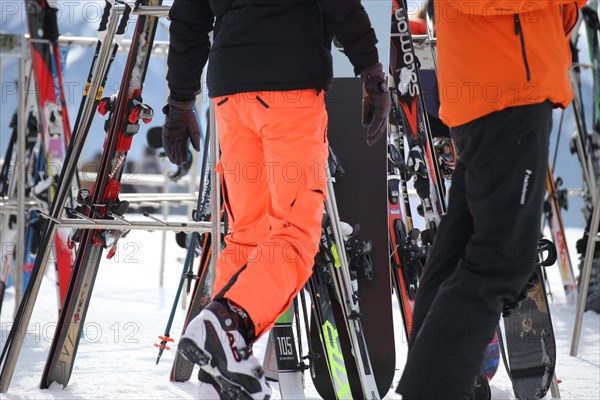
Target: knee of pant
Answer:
[[305, 214]]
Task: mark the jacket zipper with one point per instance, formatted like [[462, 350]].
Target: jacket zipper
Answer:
[[519, 31]]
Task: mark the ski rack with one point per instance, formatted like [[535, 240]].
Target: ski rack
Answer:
[[16, 46], [53, 217], [11, 206], [123, 224], [159, 47]]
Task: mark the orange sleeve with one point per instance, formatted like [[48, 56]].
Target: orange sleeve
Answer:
[[495, 8], [570, 14]]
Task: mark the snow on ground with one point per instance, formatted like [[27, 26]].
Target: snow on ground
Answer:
[[128, 311]]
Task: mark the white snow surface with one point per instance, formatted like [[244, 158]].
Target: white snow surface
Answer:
[[116, 358]]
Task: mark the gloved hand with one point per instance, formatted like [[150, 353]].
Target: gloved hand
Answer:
[[376, 103], [180, 125]]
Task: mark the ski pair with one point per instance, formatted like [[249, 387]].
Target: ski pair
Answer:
[[335, 370], [410, 113], [50, 120], [126, 114], [8, 189]]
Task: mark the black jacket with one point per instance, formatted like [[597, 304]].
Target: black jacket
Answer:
[[264, 44]]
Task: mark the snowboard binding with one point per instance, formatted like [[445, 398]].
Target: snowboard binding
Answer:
[[547, 256]]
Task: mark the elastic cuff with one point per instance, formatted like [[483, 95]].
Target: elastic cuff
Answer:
[[181, 98]]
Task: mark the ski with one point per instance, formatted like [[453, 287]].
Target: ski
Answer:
[[405, 88], [54, 127], [586, 143], [346, 288], [333, 369], [591, 20], [126, 112], [8, 182], [281, 362], [555, 202]]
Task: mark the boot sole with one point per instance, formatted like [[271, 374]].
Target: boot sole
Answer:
[[229, 390]]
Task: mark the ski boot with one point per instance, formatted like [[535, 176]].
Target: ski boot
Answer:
[[220, 340]]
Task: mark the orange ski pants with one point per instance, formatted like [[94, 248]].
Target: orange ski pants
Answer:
[[273, 155]]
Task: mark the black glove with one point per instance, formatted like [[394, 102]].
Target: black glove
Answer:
[[376, 103], [180, 125]]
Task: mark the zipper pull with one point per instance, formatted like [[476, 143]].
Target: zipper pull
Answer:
[[517, 24]]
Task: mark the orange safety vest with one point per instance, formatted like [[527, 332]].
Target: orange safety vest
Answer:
[[495, 54]]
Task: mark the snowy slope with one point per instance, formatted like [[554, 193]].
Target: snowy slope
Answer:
[[128, 311]]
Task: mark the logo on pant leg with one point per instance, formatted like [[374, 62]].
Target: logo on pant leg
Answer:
[[528, 173]]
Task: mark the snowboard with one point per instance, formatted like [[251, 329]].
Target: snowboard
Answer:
[[529, 336], [361, 194]]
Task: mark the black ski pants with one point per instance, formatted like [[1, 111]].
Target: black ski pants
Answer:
[[484, 250]]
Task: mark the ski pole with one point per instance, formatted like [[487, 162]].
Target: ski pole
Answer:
[[187, 272]]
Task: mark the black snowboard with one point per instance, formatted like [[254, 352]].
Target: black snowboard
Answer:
[[530, 345], [361, 195]]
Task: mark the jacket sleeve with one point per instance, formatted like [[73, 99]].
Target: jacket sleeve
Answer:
[[451, 9], [191, 22], [350, 24]]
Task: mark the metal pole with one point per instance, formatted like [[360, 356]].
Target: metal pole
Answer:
[[593, 237], [154, 11], [154, 224], [215, 193], [21, 135], [165, 213], [554, 390]]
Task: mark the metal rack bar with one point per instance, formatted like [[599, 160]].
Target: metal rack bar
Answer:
[[141, 225]]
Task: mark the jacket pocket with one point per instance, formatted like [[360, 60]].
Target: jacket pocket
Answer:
[[219, 169], [519, 32]]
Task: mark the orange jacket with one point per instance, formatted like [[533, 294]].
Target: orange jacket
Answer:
[[495, 54]]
